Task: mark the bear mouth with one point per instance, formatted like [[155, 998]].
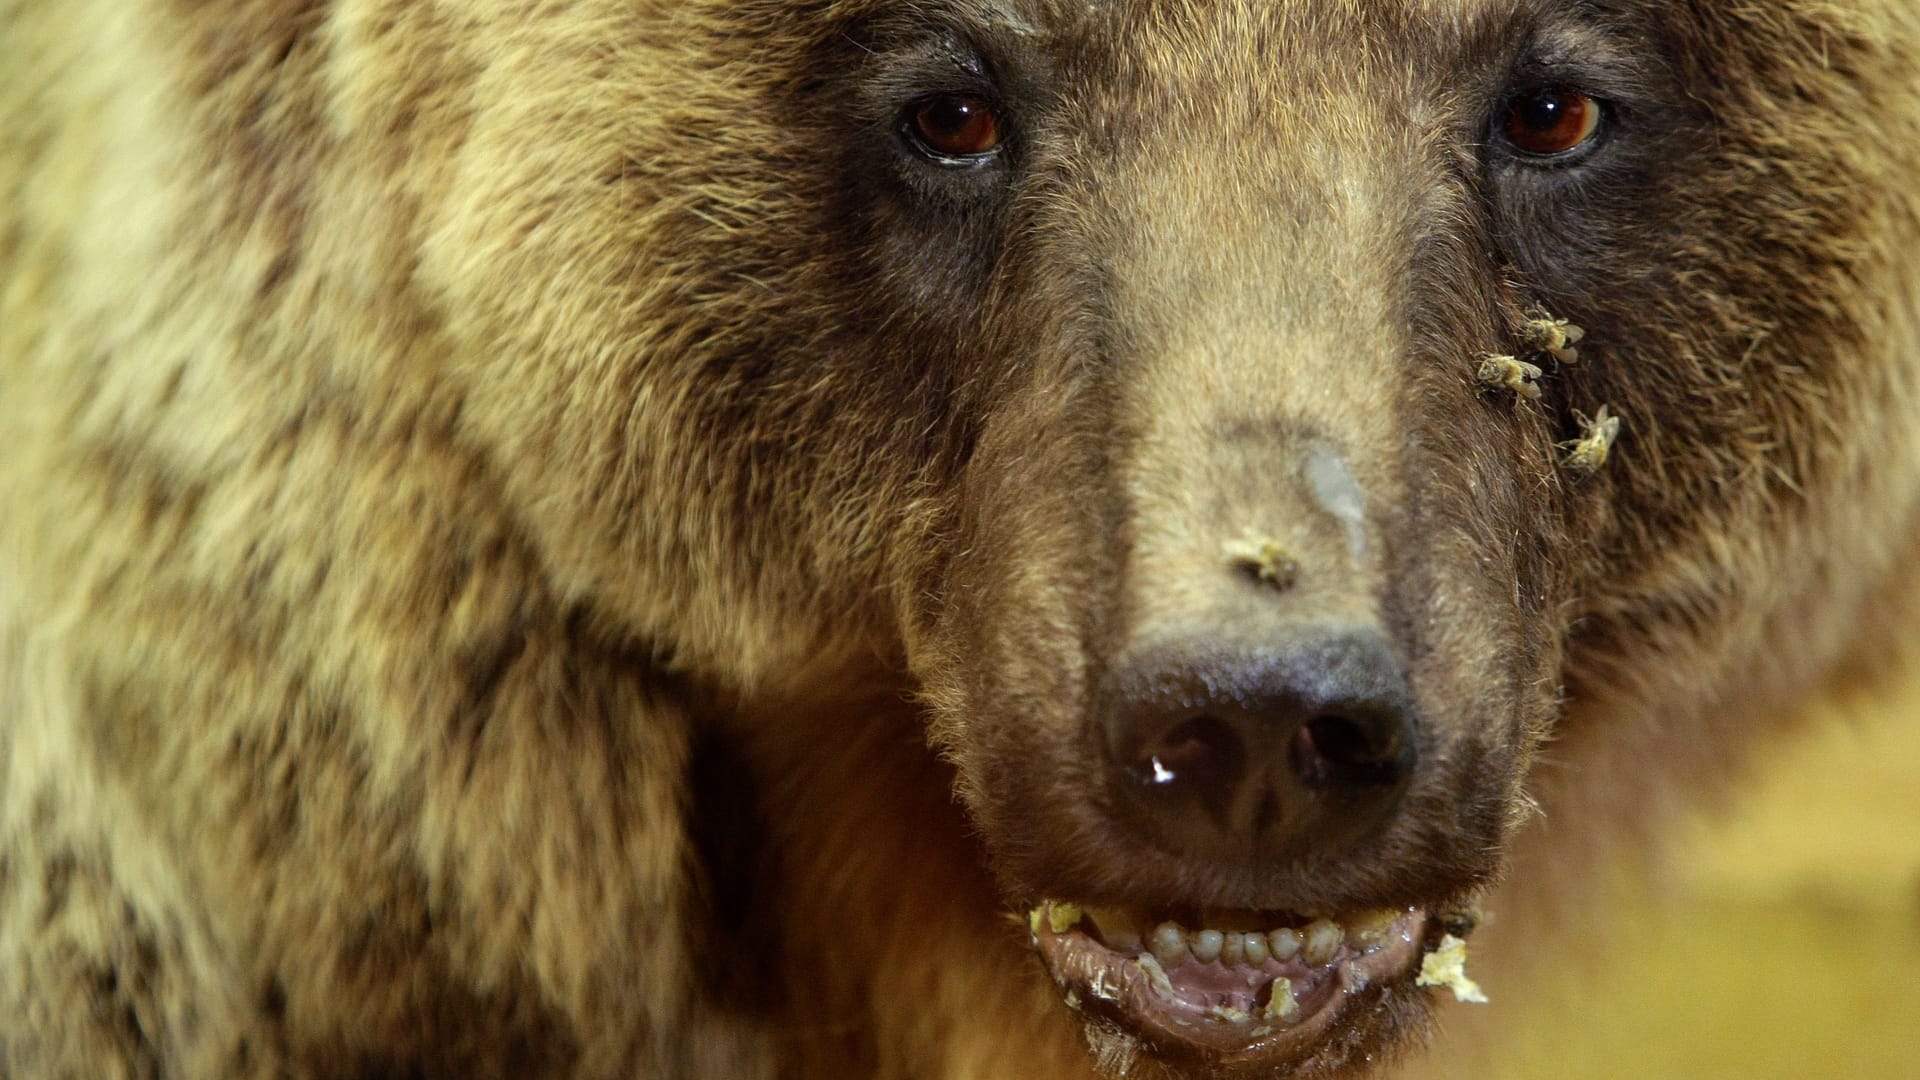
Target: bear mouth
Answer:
[[1233, 986]]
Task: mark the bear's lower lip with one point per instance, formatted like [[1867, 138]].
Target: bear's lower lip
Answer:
[[1230, 1003]]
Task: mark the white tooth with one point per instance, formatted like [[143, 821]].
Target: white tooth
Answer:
[[1126, 940], [1156, 976], [1062, 916], [1281, 1005], [1256, 949], [1323, 938], [1284, 943], [1207, 944], [1233, 950], [1170, 943]]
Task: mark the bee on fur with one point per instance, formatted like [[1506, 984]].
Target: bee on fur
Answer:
[[1501, 372], [1555, 337], [1588, 453]]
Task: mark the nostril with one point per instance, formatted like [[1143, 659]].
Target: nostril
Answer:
[[1195, 751], [1339, 750], [1305, 744]]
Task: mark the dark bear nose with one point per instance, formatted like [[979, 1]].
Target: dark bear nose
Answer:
[[1298, 749]]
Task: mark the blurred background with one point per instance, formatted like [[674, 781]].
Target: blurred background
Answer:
[[1784, 944]]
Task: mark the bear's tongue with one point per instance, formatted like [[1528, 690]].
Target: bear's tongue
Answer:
[[1219, 978]]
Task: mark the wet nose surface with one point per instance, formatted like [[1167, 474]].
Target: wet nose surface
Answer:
[[1299, 748]]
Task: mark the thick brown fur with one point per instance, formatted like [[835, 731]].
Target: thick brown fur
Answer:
[[541, 539]]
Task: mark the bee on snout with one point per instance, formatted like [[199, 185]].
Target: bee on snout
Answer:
[[1264, 560], [1588, 453]]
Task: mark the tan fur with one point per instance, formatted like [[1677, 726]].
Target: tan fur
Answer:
[[526, 548]]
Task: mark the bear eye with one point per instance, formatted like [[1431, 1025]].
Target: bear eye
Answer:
[[1552, 122], [954, 129]]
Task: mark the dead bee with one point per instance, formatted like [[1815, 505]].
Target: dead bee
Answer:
[[1264, 559], [1509, 373], [1586, 454], [1555, 337]]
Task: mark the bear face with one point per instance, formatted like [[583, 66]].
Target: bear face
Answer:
[[1110, 380], [1230, 273], [1059, 378]]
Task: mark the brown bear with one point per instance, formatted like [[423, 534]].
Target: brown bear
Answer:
[[907, 538]]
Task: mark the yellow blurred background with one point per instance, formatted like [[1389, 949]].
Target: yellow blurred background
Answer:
[[1785, 945]]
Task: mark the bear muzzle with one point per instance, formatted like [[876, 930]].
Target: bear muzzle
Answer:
[[1298, 747], [1297, 752], [1270, 801]]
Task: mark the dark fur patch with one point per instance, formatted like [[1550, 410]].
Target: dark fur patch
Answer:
[[729, 843]]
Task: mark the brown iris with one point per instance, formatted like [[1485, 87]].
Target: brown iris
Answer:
[[1550, 122], [956, 126]]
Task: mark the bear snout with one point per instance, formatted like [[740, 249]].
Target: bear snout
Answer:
[[1295, 749]]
